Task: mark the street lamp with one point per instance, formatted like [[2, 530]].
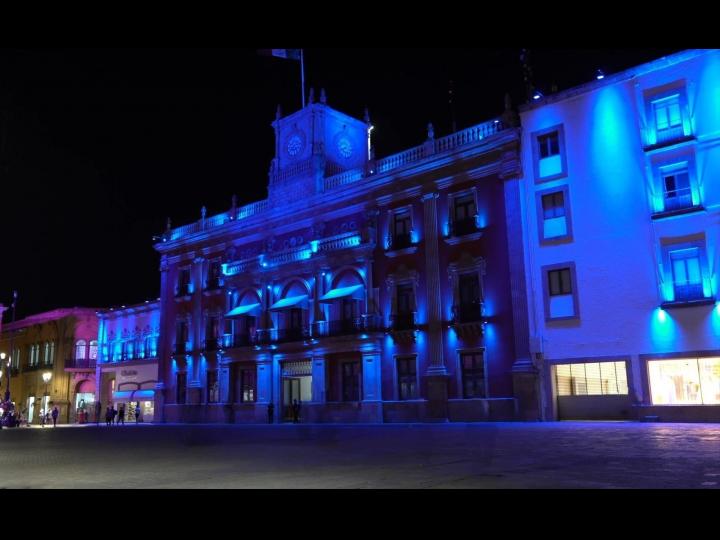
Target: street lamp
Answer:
[[12, 337]]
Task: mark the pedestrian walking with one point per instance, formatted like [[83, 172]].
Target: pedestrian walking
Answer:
[[137, 412], [108, 415], [55, 414], [271, 413], [114, 413], [98, 412], [121, 414], [295, 411]]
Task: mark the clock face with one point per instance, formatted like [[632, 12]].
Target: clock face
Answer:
[[345, 147], [294, 145]]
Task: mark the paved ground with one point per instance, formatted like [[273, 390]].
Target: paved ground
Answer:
[[503, 455]]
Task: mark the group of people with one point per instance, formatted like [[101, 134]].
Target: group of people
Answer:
[[117, 416]]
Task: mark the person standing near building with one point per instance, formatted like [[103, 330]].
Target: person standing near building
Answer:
[[108, 415], [121, 415], [137, 412], [271, 412], [98, 412], [55, 414], [295, 411]]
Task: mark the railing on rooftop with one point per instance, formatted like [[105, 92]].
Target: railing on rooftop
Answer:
[[467, 136]]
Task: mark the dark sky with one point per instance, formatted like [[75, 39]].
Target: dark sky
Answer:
[[100, 146]]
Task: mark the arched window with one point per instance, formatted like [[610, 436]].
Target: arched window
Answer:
[[93, 350], [81, 350]]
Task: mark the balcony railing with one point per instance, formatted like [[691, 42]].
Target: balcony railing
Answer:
[[689, 293], [183, 290], [467, 313], [680, 199], [80, 363], [403, 321], [213, 284], [181, 348], [348, 327], [288, 335], [461, 227], [212, 344], [670, 134], [399, 241]]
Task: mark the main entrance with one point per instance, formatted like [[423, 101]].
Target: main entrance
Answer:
[[296, 387]]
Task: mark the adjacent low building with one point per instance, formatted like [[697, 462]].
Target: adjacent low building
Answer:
[[52, 363], [127, 367]]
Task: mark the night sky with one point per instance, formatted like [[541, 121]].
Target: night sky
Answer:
[[99, 146]]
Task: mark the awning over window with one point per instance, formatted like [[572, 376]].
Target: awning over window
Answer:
[[241, 310], [133, 395], [354, 292], [292, 302]]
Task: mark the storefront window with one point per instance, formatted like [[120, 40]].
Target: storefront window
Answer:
[[591, 379], [690, 381]]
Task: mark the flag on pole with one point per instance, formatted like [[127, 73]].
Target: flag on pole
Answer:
[[287, 54]]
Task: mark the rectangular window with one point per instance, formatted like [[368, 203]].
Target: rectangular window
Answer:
[[464, 212], [668, 118], [351, 381], [560, 292], [181, 336], [691, 381], [402, 230], [677, 190], [404, 317], [407, 377], [549, 154], [181, 388], [214, 274], [473, 375], [687, 275], [470, 309], [248, 386], [591, 379], [213, 387], [183, 288], [554, 215]]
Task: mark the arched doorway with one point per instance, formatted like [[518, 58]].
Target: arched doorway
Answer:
[[84, 401]]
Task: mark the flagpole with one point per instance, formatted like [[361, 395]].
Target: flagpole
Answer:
[[302, 76]]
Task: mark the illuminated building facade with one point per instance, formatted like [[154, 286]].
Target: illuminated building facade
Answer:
[[127, 368], [367, 290], [63, 343], [621, 214]]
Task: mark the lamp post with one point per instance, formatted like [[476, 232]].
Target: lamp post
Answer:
[[12, 336], [46, 377]]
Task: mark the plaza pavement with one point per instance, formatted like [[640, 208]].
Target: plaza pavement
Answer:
[[492, 455]]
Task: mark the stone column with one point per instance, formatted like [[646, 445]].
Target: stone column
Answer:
[[167, 332], [318, 379], [264, 379], [436, 374], [277, 397], [527, 378], [197, 330], [371, 377], [370, 307]]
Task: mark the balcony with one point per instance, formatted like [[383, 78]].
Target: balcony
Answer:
[[213, 284], [468, 319], [399, 241], [183, 291], [461, 227], [80, 363], [182, 348], [289, 335], [35, 367], [467, 313], [403, 321], [212, 344], [689, 295]]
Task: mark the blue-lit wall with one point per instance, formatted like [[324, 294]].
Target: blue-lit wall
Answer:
[[618, 244]]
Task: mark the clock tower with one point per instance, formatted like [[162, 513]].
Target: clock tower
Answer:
[[314, 143]]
